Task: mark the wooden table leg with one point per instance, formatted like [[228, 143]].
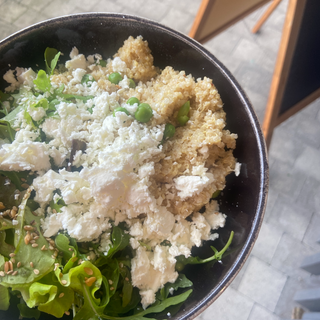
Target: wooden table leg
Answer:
[[265, 16]]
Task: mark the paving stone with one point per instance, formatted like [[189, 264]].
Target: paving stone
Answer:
[[59, 8], [224, 42], [284, 180], [285, 145], [148, 10], [229, 306], [258, 102], [109, 6], [308, 162], [37, 5], [133, 5], [257, 57], [286, 304], [237, 280], [313, 232], [29, 18], [178, 20], [309, 298], [262, 283], [272, 198], [289, 256], [269, 39], [292, 218], [6, 29], [260, 313], [308, 131], [88, 5], [309, 195], [252, 77], [311, 263], [228, 61], [190, 6], [10, 11], [267, 242], [312, 110]]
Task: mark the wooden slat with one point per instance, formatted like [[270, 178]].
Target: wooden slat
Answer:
[[200, 18], [214, 16], [289, 39], [265, 16]]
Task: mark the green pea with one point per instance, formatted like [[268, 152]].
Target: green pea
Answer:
[[183, 120], [182, 117], [143, 113], [103, 63], [121, 110], [88, 79], [115, 77], [215, 194], [169, 131], [184, 110], [179, 266], [132, 84], [133, 100]]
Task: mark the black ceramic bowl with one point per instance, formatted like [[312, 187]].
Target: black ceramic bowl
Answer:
[[244, 198]]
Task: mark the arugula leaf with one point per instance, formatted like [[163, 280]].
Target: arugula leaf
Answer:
[[182, 261], [26, 312], [92, 307], [4, 298], [88, 80], [120, 240], [4, 96], [42, 81], [127, 286], [57, 205], [112, 273], [11, 117], [51, 57], [156, 308], [6, 131], [181, 282], [68, 96], [41, 103], [15, 178], [29, 119]]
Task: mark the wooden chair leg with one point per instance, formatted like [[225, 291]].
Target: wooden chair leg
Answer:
[[265, 16]]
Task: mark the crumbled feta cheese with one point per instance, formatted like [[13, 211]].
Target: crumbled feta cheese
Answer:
[[151, 271], [26, 77], [237, 168], [24, 156], [78, 61], [118, 65], [190, 185]]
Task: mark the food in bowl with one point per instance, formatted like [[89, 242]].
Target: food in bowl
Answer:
[[105, 168]]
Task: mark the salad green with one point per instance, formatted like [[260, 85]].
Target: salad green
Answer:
[[56, 275]]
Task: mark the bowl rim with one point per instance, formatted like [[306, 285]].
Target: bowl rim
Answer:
[[244, 253]]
